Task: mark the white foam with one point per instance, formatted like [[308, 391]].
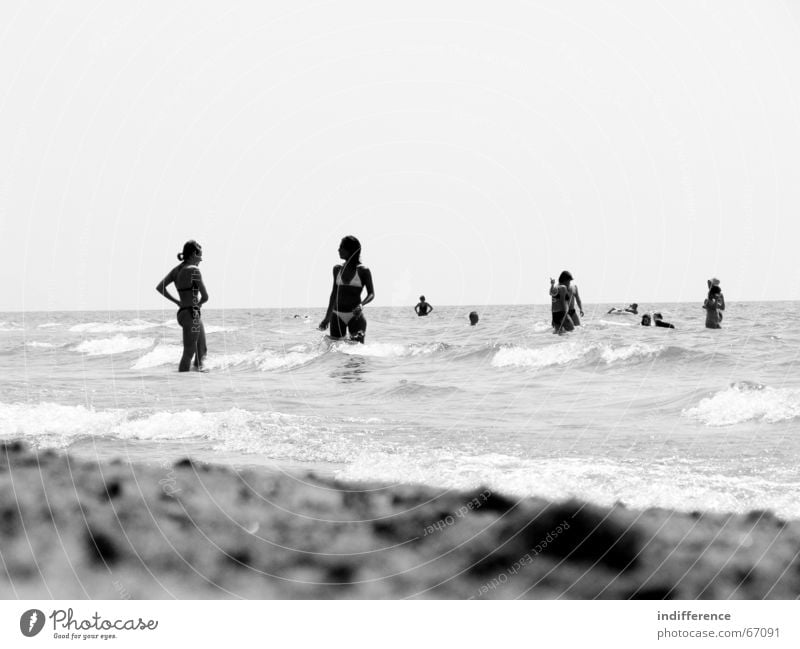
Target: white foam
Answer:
[[386, 350], [47, 325], [111, 327], [161, 354], [741, 403], [119, 344], [624, 353], [638, 484], [210, 328], [271, 434], [570, 351], [36, 344], [264, 360], [547, 356]]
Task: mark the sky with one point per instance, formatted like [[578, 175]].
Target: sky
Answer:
[[476, 149]]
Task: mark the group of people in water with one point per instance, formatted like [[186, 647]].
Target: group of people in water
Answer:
[[564, 298], [345, 313]]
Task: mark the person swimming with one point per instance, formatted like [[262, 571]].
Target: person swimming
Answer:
[[712, 305], [423, 308], [559, 298], [646, 320], [345, 307], [658, 321], [189, 283], [473, 318], [631, 308]]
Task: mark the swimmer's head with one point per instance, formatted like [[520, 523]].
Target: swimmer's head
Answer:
[[421, 298], [350, 249], [191, 248], [473, 318], [657, 316], [565, 277], [645, 320]]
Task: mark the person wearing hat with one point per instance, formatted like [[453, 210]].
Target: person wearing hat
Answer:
[[560, 299], [423, 308]]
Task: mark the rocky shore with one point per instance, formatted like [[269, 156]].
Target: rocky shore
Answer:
[[73, 528]]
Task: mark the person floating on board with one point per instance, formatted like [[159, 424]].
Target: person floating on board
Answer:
[[631, 308], [189, 283], [345, 307], [473, 318], [713, 305], [559, 298], [423, 308]]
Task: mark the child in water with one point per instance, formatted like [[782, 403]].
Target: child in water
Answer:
[[713, 305]]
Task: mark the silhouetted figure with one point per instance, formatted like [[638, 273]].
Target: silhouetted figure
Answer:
[[423, 308], [560, 297], [189, 284], [473, 318], [345, 313]]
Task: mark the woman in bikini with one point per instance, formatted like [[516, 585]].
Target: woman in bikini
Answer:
[[345, 314], [189, 282]]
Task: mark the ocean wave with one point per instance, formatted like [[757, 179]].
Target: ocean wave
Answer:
[[270, 434], [264, 360], [210, 328], [35, 344], [121, 326], [412, 390], [656, 483], [119, 344], [11, 326], [571, 351], [48, 325], [745, 401], [388, 350]]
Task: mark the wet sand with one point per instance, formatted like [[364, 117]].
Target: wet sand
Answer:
[[72, 528]]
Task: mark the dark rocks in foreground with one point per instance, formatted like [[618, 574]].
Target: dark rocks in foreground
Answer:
[[72, 529]]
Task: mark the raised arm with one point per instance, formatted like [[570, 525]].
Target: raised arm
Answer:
[[161, 287]]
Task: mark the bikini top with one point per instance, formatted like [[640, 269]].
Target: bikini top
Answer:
[[193, 287], [354, 281]]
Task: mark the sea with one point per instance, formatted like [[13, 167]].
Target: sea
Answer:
[[686, 418]]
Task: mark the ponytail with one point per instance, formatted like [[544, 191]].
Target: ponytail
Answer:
[[189, 248]]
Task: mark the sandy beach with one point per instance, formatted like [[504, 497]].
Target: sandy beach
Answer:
[[72, 528]]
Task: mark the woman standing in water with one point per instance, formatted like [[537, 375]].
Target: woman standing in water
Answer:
[[189, 282], [345, 313], [560, 298]]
